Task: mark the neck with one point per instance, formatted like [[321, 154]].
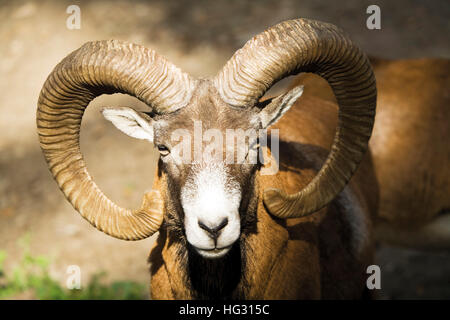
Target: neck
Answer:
[[216, 278]]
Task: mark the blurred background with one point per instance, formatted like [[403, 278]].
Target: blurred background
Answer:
[[41, 234]]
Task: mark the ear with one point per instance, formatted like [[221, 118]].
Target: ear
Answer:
[[131, 122], [278, 106]]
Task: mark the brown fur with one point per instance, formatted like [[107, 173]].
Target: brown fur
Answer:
[[403, 180], [310, 258], [409, 145]]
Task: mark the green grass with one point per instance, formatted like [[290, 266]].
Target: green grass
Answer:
[[31, 275]]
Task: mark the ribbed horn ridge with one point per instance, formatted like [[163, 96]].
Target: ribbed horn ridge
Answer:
[[302, 45], [94, 69]]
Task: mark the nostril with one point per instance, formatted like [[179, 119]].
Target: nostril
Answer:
[[214, 230], [222, 224]]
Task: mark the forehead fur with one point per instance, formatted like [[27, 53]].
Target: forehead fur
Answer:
[[207, 106]]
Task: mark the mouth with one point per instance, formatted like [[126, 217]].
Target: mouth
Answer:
[[213, 253]]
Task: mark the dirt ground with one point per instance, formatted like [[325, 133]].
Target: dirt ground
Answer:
[[199, 37]]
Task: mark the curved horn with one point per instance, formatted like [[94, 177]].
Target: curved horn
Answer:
[[94, 69], [298, 46]]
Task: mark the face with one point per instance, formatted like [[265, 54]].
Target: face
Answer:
[[209, 156], [208, 159]]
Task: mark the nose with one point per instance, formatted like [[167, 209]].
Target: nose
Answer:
[[213, 231]]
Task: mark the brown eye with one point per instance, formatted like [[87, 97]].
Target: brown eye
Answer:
[[163, 150], [255, 145]]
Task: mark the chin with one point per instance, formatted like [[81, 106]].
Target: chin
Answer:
[[213, 253]]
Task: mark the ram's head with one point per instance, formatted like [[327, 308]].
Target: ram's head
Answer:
[[208, 194]]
